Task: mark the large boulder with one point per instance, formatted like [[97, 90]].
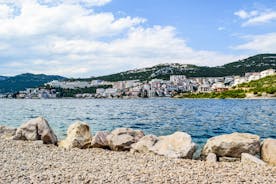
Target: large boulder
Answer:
[[268, 151], [78, 136], [121, 139], [177, 145], [232, 145], [100, 140], [7, 132], [36, 129], [145, 144]]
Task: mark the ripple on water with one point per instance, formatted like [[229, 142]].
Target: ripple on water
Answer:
[[200, 118]]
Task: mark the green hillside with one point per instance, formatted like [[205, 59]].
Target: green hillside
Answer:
[[163, 71], [265, 85], [23, 81]]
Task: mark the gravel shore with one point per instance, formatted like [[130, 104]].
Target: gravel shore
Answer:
[[33, 162]]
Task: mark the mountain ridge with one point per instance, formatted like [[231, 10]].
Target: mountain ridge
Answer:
[[255, 63], [26, 80]]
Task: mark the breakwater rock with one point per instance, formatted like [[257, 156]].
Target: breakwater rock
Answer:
[[36, 129], [268, 151], [232, 145], [78, 136], [224, 148]]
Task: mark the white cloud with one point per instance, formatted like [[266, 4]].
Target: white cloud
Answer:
[[261, 19], [256, 17], [245, 15], [57, 2], [5, 11], [70, 39], [260, 43]]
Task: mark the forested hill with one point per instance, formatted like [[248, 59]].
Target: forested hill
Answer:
[[23, 81], [255, 63], [163, 71]]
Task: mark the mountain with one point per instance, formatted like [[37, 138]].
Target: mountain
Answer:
[[23, 81], [255, 63]]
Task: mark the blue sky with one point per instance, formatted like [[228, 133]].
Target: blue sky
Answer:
[[82, 38]]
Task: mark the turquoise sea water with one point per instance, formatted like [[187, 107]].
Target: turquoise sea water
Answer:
[[162, 116]]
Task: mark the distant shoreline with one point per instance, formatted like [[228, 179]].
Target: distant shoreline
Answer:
[[177, 98]]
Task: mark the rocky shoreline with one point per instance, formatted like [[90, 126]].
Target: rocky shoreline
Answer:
[[128, 156]]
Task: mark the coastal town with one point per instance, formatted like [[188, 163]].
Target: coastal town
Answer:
[[138, 89]]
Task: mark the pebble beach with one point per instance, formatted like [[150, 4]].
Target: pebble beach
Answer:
[[34, 162]]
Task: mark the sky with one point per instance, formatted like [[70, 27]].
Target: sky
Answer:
[[84, 38]]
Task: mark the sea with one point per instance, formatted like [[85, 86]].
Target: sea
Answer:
[[201, 118]]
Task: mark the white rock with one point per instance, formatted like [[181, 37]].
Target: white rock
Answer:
[[100, 140], [268, 151], [177, 145], [78, 136], [36, 129], [121, 139], [145, 144], [250, 159], [211, 158], [232, 145]]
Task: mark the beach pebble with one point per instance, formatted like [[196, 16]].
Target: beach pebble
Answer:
[[27, 162]]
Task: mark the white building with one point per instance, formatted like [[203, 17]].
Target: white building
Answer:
[[156, 83], [239, 80], [266, 73], [204, 88], [120, 85], [100, 91], [132, 83], [177, 79], [96, 82], [254, 76], [68, 84]]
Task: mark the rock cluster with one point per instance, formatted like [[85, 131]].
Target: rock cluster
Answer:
[[233, 147]]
